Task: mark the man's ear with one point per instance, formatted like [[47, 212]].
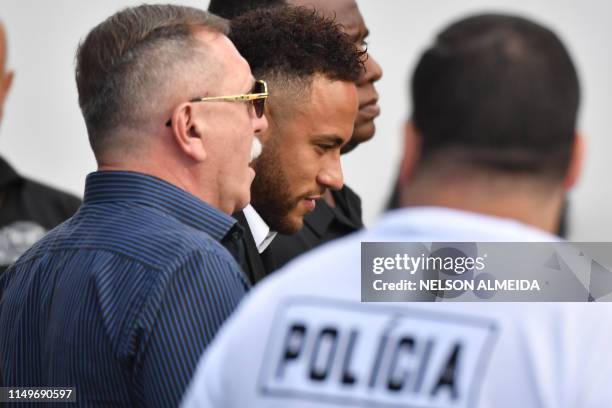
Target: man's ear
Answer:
[[189, 133], [574, 169], [412, 152]]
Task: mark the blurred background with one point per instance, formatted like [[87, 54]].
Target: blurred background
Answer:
[[43, 134]]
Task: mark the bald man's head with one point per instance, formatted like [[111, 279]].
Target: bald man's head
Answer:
[[6, 77]]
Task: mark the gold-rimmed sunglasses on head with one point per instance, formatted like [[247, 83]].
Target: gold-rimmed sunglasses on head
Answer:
[[257, 96]]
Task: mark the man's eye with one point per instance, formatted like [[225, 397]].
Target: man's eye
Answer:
[[363, 46], [322, 148]]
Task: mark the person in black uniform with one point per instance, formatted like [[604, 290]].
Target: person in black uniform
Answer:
[[27, 209], [338, 212]]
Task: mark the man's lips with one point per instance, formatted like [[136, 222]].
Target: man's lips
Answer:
[[370, 110], [311, 202]]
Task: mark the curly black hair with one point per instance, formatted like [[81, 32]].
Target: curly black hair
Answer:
[[233, 8], [295, 43]]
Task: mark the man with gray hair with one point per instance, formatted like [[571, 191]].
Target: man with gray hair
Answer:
[[120, 300]]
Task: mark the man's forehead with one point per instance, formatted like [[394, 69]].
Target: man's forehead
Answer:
[[330, 110], [210, 38], [222, 52], [231, 72]]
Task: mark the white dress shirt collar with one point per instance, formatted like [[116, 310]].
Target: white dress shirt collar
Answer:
[[261, 232]]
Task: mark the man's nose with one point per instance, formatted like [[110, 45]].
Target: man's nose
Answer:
[[331, 176], [373, 71]]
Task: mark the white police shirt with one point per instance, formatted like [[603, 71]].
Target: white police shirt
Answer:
[[303, 339]]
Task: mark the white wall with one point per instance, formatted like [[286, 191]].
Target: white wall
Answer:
[[43, 134]]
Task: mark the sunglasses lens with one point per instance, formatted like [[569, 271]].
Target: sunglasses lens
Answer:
[[259, 104], [259, 107]]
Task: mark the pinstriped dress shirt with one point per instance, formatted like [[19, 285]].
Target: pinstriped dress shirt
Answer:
[[122, 299]]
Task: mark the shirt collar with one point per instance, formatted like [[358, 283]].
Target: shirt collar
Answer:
[[434, 224], [142, 189], [7, 173], [261, 232]]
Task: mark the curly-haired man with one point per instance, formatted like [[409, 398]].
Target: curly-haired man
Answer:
[[312, 73], [339, 212]]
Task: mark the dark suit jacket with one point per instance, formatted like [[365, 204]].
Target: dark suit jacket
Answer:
[[248, 257], [324, 224]]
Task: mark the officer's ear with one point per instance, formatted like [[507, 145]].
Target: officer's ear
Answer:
[[5, 85], [412, 153], [574, 168]]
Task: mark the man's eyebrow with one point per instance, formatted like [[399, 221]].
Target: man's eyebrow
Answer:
[[359, 36], [329, 138], [353, 32]]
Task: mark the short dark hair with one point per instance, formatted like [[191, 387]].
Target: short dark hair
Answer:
[[233, 8], [497, 91], [290, 45], [127, 56]]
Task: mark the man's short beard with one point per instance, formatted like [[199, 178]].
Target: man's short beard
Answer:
[[270, 193]]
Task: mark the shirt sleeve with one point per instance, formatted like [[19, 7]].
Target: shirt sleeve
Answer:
[[206, 388], [196, 300], [227, 376]]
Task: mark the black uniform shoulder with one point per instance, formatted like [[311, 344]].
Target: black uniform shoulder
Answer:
[[62, 202]]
